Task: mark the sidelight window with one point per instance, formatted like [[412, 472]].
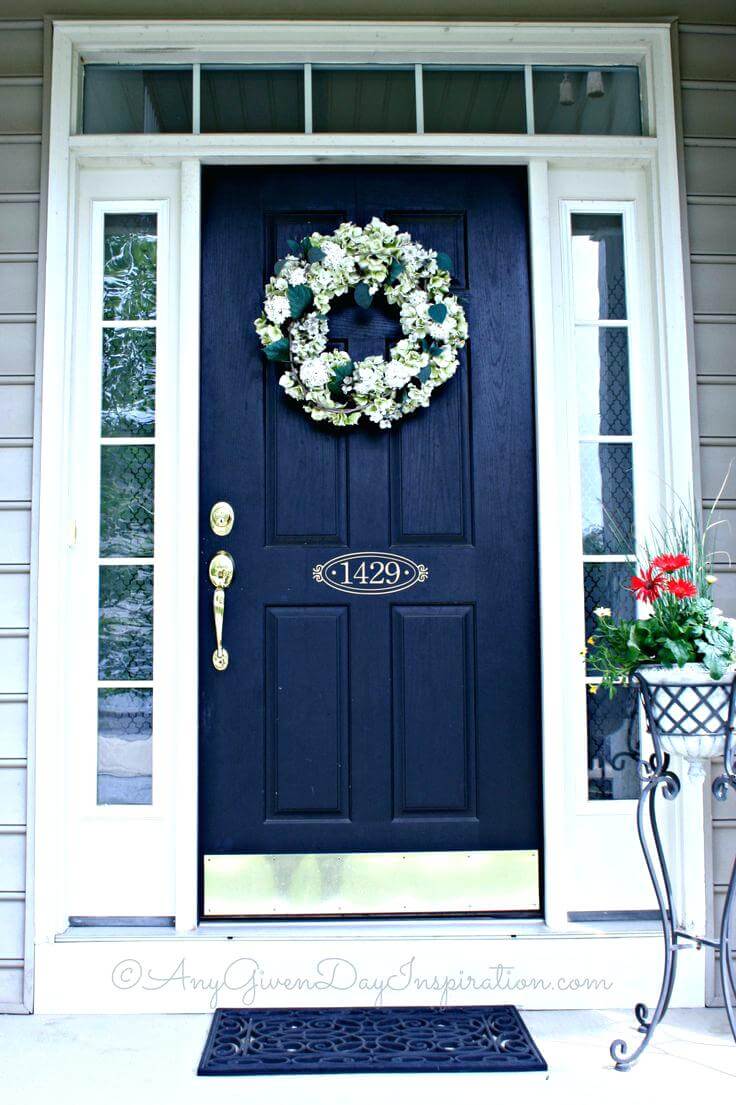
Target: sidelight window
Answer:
[[606, 470], [126, 340]]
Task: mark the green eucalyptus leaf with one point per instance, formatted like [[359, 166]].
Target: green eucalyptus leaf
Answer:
[[300, 297], [314, 253], [277, 350], [278, 267], [444, 262], [335, 383], [305, 244], [293, 246], [438, 313], [395, 271], [423, 374], [362, 295]]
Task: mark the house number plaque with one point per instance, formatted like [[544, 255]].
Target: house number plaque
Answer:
[[370, 573]]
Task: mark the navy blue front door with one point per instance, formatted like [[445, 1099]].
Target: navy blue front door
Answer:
[[370, 722]]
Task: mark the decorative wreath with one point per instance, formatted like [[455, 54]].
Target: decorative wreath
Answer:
[[293, 327]]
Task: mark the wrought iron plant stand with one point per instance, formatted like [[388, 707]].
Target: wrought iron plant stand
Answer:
[[694, 719]]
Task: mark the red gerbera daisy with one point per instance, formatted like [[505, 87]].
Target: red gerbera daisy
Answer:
[[671, 562], [682, 588], [649, 585]]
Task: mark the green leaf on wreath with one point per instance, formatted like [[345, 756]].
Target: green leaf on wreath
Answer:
[[293, 246], [334, 384], [300, 297], [314, 253], [277, 350], [438, 313], [423, 374], [362, 295], [306, 243], [396, 270], [444, 262], [278, 267]]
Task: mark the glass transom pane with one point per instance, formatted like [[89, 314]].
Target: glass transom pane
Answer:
[[587, 101], [474, 101], [124, 746], [121, 99], [129, 290], [363, 100], [252, 100]]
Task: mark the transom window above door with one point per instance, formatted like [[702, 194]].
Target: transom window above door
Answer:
[[368, 99]]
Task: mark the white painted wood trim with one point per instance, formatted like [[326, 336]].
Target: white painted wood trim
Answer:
[[187, 565]]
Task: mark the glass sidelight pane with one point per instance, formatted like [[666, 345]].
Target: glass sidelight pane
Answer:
[[128, 382], [363, 100], [126, 501], [122, 99], [126, 622], [598, 266], [607, 584], [602, 360], [607, 495], [251, 100], [129, 282], [474, 101], [613, 743], [124, 746], [587, 101]]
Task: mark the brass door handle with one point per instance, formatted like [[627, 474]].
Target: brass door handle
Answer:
[[222, 569]]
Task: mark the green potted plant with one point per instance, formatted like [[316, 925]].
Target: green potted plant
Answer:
[[681, 650]]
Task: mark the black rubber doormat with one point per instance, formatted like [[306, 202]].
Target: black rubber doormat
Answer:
[[330, 1041]]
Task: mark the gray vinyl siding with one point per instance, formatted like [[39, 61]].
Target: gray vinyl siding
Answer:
[[708, 75], [21, 49]]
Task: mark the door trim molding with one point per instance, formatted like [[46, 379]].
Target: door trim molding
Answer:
[[69, 156]]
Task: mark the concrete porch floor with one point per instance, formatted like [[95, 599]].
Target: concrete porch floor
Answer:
[[151, 1060]]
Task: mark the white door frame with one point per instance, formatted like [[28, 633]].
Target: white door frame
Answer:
[[72, 155]]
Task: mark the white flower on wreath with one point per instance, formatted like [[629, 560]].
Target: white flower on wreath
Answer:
[[277, 308]]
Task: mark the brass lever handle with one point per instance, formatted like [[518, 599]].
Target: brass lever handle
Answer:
[[222, 569]]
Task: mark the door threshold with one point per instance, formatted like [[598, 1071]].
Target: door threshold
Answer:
[[451, 928]]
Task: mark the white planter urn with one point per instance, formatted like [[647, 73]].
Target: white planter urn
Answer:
[[690, 710]]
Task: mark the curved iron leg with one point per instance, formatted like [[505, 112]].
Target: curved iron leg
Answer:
[[663, 890], [728, 973]]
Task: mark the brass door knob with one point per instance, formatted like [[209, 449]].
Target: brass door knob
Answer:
[[221, 571]]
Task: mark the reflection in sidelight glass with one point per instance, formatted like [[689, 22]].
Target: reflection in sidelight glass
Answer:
[[602, 361], [474, 101], [126, 622], [607, 497], [598, 266], [587, 101], [129, 282], [128, 346], [128, 382], [613, 745], [606, 469], [126, 501], [124, 747]]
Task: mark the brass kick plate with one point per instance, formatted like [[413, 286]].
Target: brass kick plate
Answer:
[[371, 882]]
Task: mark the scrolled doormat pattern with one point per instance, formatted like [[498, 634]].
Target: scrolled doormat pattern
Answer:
[[332, 1040]]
